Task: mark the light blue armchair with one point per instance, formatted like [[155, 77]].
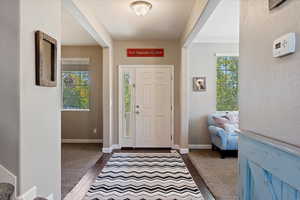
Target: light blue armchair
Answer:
[[221, 140]]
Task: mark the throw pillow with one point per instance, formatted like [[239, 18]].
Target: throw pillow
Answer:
[[233, 117], [227, 123], [221, 121]]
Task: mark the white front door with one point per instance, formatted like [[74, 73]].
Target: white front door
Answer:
[[150, 121], [153, 107]]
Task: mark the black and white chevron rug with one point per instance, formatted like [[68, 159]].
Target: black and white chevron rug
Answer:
[[144, 176]]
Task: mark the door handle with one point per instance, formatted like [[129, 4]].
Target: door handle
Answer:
[[137, 111]]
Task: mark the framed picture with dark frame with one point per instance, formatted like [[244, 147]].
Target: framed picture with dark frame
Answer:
[[45, 60], [275, 3], [199, 84]]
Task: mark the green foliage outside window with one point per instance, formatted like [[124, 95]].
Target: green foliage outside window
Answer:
[[227, 83], [76, 89], [127, 93]]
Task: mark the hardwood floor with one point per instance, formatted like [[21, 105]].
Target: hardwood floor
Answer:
[[79, 191], [83, 186]]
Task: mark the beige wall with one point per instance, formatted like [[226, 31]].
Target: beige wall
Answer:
[[81, 12], [172, 57], [269, 87], [40, 134], [80, 125], [9, 85], [202, 63]]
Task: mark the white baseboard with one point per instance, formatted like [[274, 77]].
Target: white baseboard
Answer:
[[111, 148], [106, 150], [32, 194], [200, 146], [29, 195], [115, 146], [181, 150], [184, 151], [83, 141], [176, 147]]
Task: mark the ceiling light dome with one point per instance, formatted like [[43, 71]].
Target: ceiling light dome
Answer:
[[141, 8]]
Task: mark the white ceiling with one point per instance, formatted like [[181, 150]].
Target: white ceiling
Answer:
[[223, 24], [73, 33], [166, 20]]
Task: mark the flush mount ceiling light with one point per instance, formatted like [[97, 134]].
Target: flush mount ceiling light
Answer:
[[141, 8]]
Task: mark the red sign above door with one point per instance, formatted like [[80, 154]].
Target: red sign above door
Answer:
[[145, 53]]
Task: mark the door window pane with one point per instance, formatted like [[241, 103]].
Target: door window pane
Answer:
[[128, 104], [127, 93]]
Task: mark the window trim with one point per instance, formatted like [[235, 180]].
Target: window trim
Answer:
[[227, 54], [75, 110], [62, 109]]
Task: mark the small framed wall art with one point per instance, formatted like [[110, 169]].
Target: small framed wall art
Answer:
[[45, 60], [199, 84]]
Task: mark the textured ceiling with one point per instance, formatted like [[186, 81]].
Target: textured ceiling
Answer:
[[166, 20]]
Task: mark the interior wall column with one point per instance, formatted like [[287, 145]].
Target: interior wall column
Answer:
[[184, 106], [107, 99], [200, 14]]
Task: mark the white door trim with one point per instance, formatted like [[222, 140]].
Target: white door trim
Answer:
[[121, 67]]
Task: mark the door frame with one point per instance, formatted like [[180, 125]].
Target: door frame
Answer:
[[120, 118]]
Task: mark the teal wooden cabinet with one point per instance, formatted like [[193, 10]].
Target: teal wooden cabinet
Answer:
[[268, 169]]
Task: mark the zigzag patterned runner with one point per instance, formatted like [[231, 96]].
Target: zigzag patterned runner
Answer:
[[144, 176]]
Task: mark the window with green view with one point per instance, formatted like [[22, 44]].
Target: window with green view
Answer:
[[76, 89], [227, 83]]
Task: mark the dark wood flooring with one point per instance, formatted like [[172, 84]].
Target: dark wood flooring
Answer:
[[83, 186], [79, 191]]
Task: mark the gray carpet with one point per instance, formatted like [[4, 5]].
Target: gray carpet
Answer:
[[76, 160], [220, 175]]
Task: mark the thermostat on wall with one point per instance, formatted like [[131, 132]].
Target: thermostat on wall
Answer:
[[284, 45]]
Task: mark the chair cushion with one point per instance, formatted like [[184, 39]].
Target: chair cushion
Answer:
[[232, 142]]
